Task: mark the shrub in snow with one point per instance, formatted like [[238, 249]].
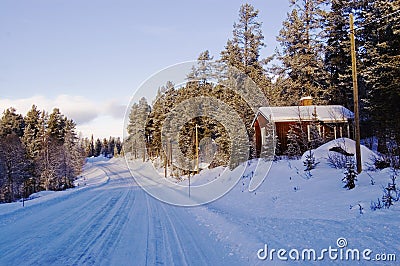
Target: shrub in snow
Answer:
[[310, 162], [338, 156], [391, 194], [376, 205], [350, 176], [337, 160], [390, 158], [381, 162]]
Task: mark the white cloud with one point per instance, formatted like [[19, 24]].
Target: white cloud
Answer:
[[100, 118], [116, 109], [102, 127]]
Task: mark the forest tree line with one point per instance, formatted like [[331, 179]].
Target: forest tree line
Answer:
[[42, 151], [106, 148], [39, 151], [313, 59]]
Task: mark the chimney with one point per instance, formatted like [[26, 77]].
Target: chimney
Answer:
[[306, 101]]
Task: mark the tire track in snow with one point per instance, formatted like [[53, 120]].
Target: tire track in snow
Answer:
[[108, 237], [33, 229], [114, 224], [181, 240], [60, 233], [105, 236], [28, 210]]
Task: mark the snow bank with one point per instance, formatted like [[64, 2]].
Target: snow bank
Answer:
[[323, 152], [40, 194], [93, 176], [97, 159]]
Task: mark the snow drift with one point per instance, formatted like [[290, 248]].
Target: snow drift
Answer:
[[323, 153]]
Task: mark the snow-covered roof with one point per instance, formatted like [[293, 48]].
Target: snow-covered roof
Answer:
[[306, 98], [325, 113]]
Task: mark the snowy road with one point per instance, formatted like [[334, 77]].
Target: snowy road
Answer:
[[109, 220], [111, 223]]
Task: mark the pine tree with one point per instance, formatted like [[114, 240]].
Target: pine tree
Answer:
[[203, 70], [72, 157], [91, 147], [31, 138], [381, 67], [14, 167], [111, 146], [104, 148], [246, 42], [243, 51], [12, 123], [350, 176], [293, 143], [316, 138], [56, 125], [138, 119], [33, 144], [37, 152], [301, 52], [118, 145], [97, 148], [337, 52]]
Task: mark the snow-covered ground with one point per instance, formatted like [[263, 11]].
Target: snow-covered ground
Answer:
[[110, 220], [107, 221]]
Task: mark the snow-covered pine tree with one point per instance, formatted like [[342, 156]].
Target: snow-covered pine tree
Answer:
[[293, 146], [31, 138], [315, 128], [91, 147], [310, 162], [138, 119], [14, 167], [72, 156], [97, 148], [350, 176], [11, 122], [56, 125], [14, 163], [104, 148], [111, 146], [118, 145], [33, 143]]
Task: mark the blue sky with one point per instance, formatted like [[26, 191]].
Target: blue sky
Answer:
[[88, 57]]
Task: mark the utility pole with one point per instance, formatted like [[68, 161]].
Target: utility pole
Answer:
[[165, 164], [355, 95], [144, 151], [197, 150]]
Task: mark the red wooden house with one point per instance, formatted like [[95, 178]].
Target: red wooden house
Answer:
[[333, 121]]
